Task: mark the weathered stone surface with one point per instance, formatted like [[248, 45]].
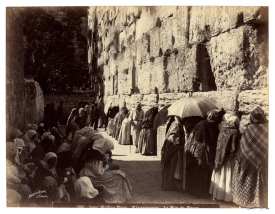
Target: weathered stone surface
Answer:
[[146, 22], [235, 60], [34, 103], [166, 34], [249, 100], [223, 99], [122, 41], [130, 33], [206, 22], [144, 78], [163, 12], [169, 98], [14, 71], [150, 100], [180, 28], [143, 50], [186, 68], [154, 41]]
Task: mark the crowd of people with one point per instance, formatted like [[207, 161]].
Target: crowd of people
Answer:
[[209, 157], [45, 165], [206, 157]]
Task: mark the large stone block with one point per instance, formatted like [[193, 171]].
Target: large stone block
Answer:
[[150, 100], [180, 28], [34, 103], [154, 41], [206, 22], [146, 22], [157, 82], [187, 68], [166, 34], [228, 100], [144, 78], [163, 12], [170, 98], [238, 59], [250, 99], [143, 50]]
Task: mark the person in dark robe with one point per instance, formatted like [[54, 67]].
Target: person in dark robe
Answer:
[[59, 112], [147, 138], [250, 176], [200, 154], [171, 155]]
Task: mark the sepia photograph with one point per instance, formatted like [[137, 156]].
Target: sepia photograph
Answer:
[[137, 106]]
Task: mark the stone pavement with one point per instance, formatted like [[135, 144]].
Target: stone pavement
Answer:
[[144, 174]]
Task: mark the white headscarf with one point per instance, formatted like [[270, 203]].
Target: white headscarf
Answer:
[[85, 188], [46, 158]]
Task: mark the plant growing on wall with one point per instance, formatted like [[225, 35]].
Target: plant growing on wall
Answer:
[[56, 47]]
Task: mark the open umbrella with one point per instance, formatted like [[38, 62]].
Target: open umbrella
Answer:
[[191, 106], [161, 117], [103, 145], [106, 107]]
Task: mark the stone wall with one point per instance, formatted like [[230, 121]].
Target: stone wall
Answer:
[[14, 70], [25, 101], [70, 100], [157, 54]]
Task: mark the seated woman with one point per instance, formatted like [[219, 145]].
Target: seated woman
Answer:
[[116, 186], [14, 181], [48, 168], [45, 146], [85, 191]]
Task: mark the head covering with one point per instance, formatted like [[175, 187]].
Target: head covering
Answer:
[[15, 133], [84, 188], [11, 150], [19, 142], [103, 145], [32, 135], [34, 127], [257, 116], [233, 121], [254, 142], [50, 185], [48, 156], [212, 115], [27, 127], [64, 147]]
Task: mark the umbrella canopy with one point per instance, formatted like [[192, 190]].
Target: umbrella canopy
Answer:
[[191, 106], [106, 107], [103, 145], [161, 117]]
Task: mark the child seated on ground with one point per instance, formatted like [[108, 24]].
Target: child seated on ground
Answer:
[[108, 161]]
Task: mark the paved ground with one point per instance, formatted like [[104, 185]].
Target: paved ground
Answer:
[[144, 173]]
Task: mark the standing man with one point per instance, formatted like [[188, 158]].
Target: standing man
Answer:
[[83, 115], [135, 118], [59, 112], [94, 116]]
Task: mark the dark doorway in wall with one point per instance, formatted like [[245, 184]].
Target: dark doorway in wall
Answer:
[[204, 71]]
